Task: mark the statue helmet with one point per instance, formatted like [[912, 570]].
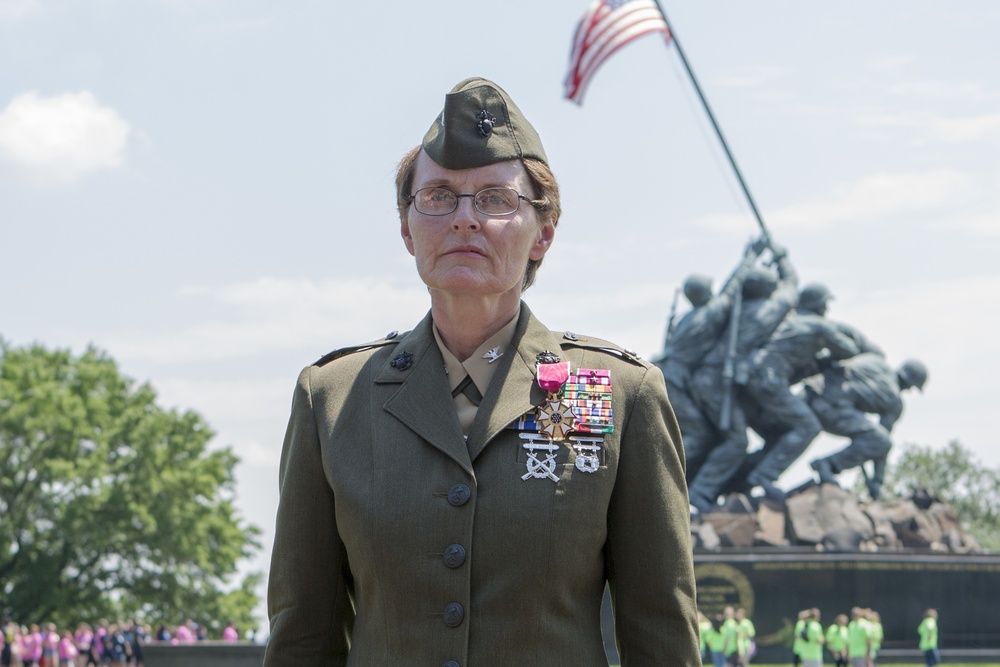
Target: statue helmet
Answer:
[[913, 373], [698, 289], [759, 283], [814, 297]]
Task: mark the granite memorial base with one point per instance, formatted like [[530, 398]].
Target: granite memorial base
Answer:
[[204, 654], [774, 587]]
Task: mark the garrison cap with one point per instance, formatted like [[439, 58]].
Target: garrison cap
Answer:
[[480, 125]]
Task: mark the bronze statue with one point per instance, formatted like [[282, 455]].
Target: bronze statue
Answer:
[[734, 362], [766, 299], [803, 339], [842, 397], [687, 343]]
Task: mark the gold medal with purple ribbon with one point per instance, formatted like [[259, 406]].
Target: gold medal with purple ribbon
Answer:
[[555, 416]]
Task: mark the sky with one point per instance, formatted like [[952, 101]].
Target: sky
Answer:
[[204, 188]]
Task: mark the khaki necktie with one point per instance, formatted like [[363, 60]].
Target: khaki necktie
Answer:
[[468, 387]]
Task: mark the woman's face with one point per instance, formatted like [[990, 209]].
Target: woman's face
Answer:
[[466, 252]]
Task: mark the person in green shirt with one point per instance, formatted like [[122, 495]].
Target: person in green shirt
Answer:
[[800, 625], [811, 648], [730, 633], [745, 634], [715, 641], [704, 625], [876, 620], [859, 639], [836, 640], [928, 631]]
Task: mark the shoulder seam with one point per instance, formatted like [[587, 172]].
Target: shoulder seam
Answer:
[[572, 340], [344, 351]]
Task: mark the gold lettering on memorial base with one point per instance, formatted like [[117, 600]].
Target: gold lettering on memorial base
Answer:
[[722, 586]]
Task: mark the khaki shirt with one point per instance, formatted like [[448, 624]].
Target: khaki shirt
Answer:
[[480, 367]]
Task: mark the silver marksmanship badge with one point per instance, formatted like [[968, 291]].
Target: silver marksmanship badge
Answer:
[[540, 468], [587, 453]]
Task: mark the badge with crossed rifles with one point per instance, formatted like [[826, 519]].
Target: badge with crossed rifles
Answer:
[[587, 457], [540, 468]]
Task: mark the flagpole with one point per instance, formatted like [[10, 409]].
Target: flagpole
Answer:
[[715, 125]]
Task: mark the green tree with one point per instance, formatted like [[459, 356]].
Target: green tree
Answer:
[[111, 506], [956, 476]]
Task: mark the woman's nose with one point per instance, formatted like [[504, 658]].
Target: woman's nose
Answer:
[[465, 216]]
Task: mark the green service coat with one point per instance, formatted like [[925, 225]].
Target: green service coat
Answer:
[[399, 543]]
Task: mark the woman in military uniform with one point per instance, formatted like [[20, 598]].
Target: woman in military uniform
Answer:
[[459, 495]]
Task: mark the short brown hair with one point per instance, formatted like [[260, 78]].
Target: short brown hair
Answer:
[[546, 196]]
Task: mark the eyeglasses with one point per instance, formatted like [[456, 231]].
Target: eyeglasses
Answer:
[[489, 201]]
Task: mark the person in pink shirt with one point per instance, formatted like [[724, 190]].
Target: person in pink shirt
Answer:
[[50, 646], [185, 634], [68, 652], [230, 634], [83, 639], [32, 652]]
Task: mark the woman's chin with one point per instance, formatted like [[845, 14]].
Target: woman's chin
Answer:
[[469, 287], [460, 280]]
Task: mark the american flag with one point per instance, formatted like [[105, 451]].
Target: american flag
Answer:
[[607, 26]]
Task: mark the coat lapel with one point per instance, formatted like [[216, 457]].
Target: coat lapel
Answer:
[[423, 402], [514, 390]]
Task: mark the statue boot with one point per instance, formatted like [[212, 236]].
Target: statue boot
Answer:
[[825, 471]]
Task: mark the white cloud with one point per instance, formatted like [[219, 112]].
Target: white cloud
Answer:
[[247, 412], [271, 314], [940, 90], [228, 399], [16, 8], [981, 225], [879, 194], [57, 140], [951, 130]]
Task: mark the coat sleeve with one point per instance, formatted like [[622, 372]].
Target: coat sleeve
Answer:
[[308, 597], [649, 558]]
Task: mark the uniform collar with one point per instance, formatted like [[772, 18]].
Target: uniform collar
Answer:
[[424, 403], [478, 366]]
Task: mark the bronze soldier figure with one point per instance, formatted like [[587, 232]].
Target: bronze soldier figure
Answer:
[[842, 397]]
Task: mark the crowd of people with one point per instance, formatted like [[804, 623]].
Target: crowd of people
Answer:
[[728, 639], [113, 644]]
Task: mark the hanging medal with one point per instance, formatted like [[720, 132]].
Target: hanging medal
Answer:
[[555, 416], [588, 457], [538, 445]]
